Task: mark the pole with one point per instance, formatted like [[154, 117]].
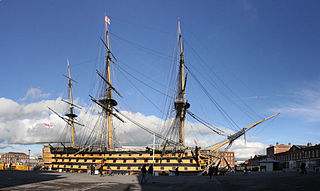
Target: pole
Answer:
[[153, 148], [109, 92], [182, 91], [71, 101], [29, 160]]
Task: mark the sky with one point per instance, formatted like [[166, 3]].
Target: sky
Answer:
[[257, 58]]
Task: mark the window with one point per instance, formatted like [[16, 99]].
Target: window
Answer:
[[128, 167], [114, 160], [119, 155], [191, 160], [168, 160], [185, 168], [134, 160], [157, 160], [162, 168], [85, 160], [124, 160], [129, 155], [91, 155], [118, 167], [93, 160], [140, 154]]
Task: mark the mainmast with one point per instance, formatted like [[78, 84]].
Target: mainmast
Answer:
[[71, 115], [108, 101], [180, 103]]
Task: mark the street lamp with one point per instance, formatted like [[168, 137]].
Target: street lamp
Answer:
[[29, 160]]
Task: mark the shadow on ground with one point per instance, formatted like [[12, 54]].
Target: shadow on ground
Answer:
[[11, 178]]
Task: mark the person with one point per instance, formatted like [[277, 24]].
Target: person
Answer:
[[216, 170], [177, 171], [92, 169], [210, 171], [143, 173], [303, 168], [150, 172], [100, 170], [109, 170], [245, 170]]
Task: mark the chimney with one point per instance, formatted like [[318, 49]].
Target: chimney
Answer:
[[289, 144], [277, 143], [309, 144]]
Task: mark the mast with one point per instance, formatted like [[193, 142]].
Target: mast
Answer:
[[71, 115], [109, 101], [180, 103]]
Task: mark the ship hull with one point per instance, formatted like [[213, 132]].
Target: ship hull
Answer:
[[129, 161]]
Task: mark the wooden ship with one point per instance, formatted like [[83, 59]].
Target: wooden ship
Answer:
[[171, 155]]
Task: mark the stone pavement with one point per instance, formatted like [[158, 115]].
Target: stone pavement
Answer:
[[19, 180]]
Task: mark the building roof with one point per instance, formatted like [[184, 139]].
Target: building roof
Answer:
[[15, 153], [268, 160], [301, 146]]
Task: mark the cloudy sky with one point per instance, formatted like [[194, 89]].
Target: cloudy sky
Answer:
[[255, 58]]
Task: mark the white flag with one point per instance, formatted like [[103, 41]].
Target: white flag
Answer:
[[107, 20]]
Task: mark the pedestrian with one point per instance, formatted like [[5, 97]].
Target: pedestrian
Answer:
[[92, 169], [216, 170], [177, 171], [210, 171], [143, 173], [109, 170], [303, 168], [150, 172], [100, 170], [245, 170]]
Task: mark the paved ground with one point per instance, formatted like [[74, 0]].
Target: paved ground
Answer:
[[19, 180]]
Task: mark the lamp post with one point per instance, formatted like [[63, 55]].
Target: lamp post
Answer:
[[29, 160]]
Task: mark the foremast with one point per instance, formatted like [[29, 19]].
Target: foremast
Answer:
[[180, 103]]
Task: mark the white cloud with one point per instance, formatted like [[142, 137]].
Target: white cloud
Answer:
[[304, 103], [243, 150], [34, 93], [24, 124]]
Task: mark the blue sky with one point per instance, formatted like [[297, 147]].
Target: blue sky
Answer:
[[267, 52]]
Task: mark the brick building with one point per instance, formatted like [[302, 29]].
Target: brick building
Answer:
[[229, 156], [14, 157], [299, 154], [253, 163], [278, 148]]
